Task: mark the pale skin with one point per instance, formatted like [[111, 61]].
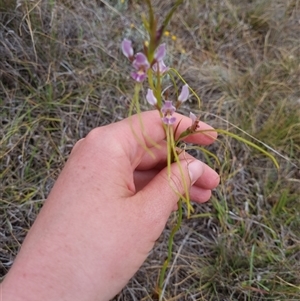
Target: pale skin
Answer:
[[107, 208]]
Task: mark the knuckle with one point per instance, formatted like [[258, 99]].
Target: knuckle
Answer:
[[94, 134]]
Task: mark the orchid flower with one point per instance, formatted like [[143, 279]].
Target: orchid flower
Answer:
[[195, 122], [168, 109], [159, 65], [141, 64], [139, 61]]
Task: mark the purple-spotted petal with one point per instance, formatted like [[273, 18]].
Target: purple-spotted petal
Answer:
[[140, 61], [160, 67], [151, 98], [193, 117], [160, 52], [139, 76], [169, 120], [127, 48], [184, 95]]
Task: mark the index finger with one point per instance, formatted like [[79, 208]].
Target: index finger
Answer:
[[147, 129], [149, 125]]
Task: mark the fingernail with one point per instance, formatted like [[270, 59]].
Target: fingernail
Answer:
[[195, 170]]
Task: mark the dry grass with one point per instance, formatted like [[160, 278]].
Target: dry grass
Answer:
[[62, 74]]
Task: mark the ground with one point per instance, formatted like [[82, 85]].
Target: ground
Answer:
[[62, 73]]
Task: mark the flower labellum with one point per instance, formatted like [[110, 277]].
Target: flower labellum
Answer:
[[184, 95], [140, 61], [151, 98], [168, 109], [127, 48], [139, 76]]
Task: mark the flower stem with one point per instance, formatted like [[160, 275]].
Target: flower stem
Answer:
[[170, 247]]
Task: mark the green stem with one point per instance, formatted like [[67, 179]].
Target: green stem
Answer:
[[152, 28], [170, 247], [150, 79], [158, 89], [171, 158]]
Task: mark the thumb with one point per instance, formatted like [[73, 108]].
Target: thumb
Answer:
[[162, 193]]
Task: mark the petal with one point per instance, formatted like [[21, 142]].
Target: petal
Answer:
[[193, 117], [151, 98], [160, 67], [140, 61], [169, 120], [127, 48], [184, 95], [155, 67], [160, 52], [168, 108]]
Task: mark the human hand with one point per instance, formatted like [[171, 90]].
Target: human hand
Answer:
[[105, 212]]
